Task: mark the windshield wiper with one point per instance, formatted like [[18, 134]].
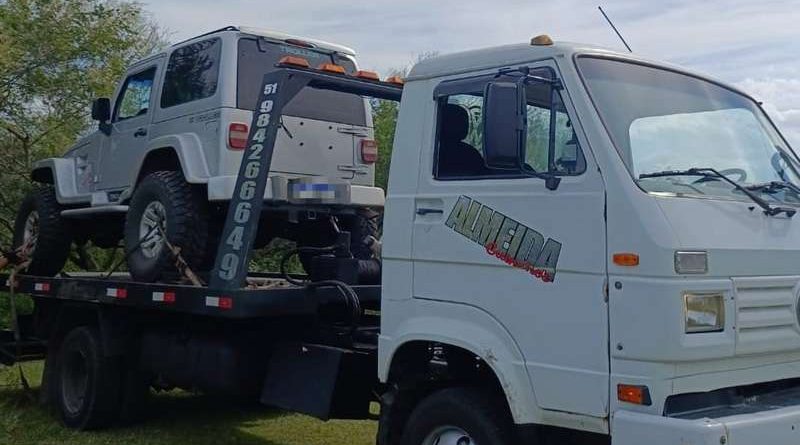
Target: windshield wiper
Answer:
[[773, 186], [713, 173]]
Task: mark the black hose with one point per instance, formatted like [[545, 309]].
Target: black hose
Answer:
[[350, 297]]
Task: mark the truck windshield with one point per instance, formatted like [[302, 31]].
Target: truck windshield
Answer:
[[257, 57], [663, 121]]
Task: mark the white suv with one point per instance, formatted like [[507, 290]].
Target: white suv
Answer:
[[167, 151]]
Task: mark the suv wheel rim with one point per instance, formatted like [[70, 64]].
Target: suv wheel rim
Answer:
[[448, 435], [152, 227], [31, 231]]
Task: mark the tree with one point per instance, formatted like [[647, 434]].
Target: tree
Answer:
[[55, 57], [384, 119]]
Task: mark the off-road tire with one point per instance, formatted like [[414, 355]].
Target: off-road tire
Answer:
[[186, 226], [479, 413], [54, 238], [97, 404]]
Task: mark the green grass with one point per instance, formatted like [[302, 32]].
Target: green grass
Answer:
[[173, 418]]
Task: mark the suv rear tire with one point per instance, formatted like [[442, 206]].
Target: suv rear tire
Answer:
[[39, 216], [165, 203]]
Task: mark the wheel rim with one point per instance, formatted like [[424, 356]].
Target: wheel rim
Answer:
[[31, 231], [448, 435], [74, 381], [152, 227]]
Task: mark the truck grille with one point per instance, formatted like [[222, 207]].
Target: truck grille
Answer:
[[766, 314]]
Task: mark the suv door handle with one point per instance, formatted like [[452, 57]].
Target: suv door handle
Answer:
[[426, 211], [140, 132]]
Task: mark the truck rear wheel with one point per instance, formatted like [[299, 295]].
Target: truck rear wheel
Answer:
[[87, 385], [458, 416], [39, 227], [164, 203]]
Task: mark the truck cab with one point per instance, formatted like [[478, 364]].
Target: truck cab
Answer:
[[620, 259]]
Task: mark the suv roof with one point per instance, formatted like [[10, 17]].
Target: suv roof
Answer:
[[275, 35]]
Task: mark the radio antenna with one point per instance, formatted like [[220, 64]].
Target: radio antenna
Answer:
[[615, 29]]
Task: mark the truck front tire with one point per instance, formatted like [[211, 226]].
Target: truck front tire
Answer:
[[40, 226], [459, 416], [87, 386], [164, 203]]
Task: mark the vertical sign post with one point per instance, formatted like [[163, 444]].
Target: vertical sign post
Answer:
[[244, 210]]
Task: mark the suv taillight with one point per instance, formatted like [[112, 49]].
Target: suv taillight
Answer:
[[369, 151], [237, 136]]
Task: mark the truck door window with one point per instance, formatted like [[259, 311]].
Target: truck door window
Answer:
[[134, 99], [460, 148], [192, 73]]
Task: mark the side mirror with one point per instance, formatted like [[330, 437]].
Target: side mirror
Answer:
[[101, 109], [503, 125]]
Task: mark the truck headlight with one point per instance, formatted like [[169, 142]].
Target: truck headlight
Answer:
[[704, 312]]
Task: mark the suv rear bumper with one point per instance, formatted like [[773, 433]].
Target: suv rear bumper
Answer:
[[769, 427], [220, 188]]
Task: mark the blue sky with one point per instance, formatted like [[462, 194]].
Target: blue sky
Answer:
[[754, 44]]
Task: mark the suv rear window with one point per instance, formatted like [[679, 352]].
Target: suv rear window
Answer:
[[258, 57], [192, 73]]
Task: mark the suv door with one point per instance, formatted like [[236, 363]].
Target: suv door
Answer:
[[130, 120], [503, 243]]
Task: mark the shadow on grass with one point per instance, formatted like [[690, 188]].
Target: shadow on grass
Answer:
[[177, 418]]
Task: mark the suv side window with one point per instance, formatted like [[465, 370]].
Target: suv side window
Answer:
[[134, 99], [192, 73], [460, 147]]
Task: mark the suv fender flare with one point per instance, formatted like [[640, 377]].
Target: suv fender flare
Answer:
[[189, 149], [61, 173], [471, 329]]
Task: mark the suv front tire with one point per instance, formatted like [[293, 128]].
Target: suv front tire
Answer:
[[45, 235]]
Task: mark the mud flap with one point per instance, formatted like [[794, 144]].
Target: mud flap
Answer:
[[321, 381]]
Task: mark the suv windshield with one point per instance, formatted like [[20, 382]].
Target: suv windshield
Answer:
[[662, 121], [258, 56]]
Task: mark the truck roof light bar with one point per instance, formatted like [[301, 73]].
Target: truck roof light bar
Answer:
[[367, 75], [294, 61], [331, 68], [396, 80]]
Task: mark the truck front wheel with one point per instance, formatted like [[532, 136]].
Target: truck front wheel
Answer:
[[459, 416], [165, 208], [87, 384], [42, 233]]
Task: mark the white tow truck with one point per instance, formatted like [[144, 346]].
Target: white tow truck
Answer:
[[579, 246]]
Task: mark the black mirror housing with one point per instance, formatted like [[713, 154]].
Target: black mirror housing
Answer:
[[503, 125], [101, 109]]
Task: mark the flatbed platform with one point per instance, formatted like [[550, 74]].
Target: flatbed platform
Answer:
[[267, 295]]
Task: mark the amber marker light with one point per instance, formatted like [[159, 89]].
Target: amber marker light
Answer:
[[626, 259], [636, 394]]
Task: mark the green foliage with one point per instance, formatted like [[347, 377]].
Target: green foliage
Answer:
[[384, 118], [55, 57]]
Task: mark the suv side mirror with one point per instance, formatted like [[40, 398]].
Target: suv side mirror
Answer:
[[101, 109], [503, 125]]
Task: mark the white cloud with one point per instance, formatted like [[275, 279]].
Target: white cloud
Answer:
[[752, 44], [781, 99]]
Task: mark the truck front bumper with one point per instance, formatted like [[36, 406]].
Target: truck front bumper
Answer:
[[768, 427]]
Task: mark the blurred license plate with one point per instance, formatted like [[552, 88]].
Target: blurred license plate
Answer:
[[305, 191]]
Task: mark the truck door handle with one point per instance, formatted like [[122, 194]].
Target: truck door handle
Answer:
[[426, 211], [140, 132]]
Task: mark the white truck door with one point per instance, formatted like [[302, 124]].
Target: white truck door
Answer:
[[501, 242], [130, 120]]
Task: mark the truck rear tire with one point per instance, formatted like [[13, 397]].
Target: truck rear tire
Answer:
[[87, 385], [459, 416], [39, 223], [165, 202]]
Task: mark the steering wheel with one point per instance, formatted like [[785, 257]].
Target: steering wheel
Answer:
[[727, 172]]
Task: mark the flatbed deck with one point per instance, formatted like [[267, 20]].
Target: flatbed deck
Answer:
[[267, 295]]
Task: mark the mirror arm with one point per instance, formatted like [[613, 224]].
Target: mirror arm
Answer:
[[104, 128]]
